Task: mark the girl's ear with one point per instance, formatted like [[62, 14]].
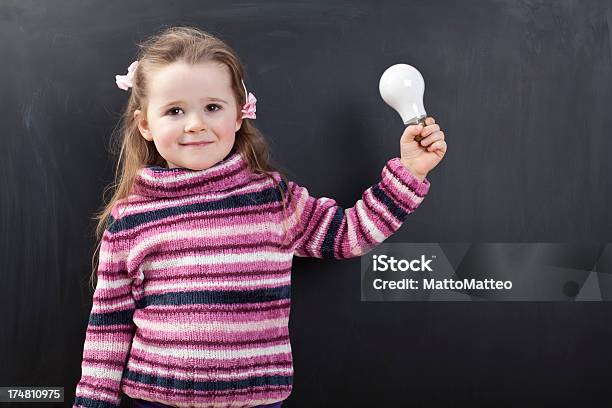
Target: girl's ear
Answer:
[[238, 124], [143, 126]]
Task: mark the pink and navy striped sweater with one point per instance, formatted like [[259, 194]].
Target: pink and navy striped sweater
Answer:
[[191, 308]]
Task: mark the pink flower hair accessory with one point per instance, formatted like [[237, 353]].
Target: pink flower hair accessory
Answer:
[[126, 81], [248, 110]]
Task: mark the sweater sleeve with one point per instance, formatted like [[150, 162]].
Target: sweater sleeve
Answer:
[[110, 329], [319, 228]]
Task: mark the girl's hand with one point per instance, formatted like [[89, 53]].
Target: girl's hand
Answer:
[[420, 157]]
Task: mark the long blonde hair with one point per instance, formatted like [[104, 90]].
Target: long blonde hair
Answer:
[[191, 45]]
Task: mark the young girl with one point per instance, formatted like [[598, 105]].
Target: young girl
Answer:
[[191, 306]]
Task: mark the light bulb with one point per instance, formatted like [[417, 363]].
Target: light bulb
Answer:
[[401, 86]]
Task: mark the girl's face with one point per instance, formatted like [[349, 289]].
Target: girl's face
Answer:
[[191, 104]]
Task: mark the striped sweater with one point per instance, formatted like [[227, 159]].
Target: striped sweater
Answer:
[[192, 303]]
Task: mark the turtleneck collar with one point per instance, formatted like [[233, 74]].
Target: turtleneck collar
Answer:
[[156, 181]]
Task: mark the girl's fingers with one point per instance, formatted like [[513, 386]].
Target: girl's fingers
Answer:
[[438, 135], [429, 120], [439, 145], [410, 132], [415, 129], [429, 129]]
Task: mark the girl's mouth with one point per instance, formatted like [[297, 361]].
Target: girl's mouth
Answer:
[[198, 144]]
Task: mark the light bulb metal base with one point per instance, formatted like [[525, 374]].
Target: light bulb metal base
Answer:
[[419, 120]]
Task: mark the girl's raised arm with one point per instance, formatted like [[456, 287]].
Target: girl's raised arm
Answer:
[[322, 229]]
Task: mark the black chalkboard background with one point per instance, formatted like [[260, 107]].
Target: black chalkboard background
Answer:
[[522, 89]]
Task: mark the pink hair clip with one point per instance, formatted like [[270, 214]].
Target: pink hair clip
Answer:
[[248, 110], [126, 81]]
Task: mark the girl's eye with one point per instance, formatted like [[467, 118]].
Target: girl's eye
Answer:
[[172, 111]]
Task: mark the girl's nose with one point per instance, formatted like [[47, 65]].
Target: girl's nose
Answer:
[[195, 123]]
